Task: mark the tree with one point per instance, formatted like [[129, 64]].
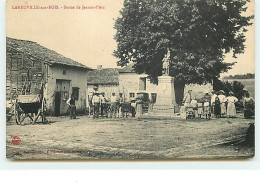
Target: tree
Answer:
[[198, 34], [236, 87]]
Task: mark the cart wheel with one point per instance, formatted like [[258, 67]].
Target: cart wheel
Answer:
[[17, 119], [19, 115]]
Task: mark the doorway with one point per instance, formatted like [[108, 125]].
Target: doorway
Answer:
[[61, 97], [57, 103]]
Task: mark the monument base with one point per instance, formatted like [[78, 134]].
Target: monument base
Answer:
[[162, 111], [165, 101]]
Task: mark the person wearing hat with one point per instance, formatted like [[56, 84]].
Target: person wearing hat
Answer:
[[114, 107], [103, 104], [96, 103], [222, 99], [72, 107], [231, 108]]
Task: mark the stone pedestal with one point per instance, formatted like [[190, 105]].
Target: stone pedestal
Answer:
[[139, 110], [165, 102]]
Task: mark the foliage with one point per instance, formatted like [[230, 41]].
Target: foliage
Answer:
[[236, 87], [244, 76], [198, 33]]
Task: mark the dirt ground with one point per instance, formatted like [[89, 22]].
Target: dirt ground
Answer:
[[130, 138]]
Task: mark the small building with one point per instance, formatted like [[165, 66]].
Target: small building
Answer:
[[103, 81], [30, 65]]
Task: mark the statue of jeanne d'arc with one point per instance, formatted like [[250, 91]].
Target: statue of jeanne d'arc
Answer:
[[166, 63]]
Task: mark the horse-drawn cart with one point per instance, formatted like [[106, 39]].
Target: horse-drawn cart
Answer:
[[31, 106]]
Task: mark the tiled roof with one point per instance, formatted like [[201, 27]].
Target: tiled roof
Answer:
[[103, 76], [127, 69], [35, 50]]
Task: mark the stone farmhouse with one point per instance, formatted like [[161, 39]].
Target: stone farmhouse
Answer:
[[30, 65]]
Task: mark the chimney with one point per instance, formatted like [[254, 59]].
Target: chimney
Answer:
[[99, 67]]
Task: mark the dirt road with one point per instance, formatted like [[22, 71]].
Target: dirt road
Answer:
[[85, 138]]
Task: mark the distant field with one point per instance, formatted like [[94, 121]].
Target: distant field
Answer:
[[249, 84]]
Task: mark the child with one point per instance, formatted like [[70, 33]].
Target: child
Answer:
[[207, 108], [200, 108]]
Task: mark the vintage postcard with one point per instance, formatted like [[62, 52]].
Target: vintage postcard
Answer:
[[130, 79]]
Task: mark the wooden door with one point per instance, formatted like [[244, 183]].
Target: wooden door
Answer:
[[57, 103]]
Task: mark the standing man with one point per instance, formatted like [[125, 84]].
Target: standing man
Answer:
[[103, 103], [187, 99], [114, 109], [96, 103], [120, 102], [72, 107], [133, 107]]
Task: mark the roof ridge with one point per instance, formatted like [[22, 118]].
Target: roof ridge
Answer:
[[35, 49]]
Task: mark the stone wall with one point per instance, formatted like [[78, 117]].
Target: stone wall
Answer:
[[23, 72]]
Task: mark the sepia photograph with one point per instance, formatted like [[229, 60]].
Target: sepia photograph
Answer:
[[130, 79]]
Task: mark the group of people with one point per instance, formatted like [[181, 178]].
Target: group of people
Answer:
[[101, 106], [215, 104], [223, 105]]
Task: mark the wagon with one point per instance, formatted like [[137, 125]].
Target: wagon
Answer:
[[31, 106]]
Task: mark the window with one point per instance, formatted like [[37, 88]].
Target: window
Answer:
[[75, 92], [64, 71], [142, 84], [131, 95]]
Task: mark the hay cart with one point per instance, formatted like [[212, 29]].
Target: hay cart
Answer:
[[31, 106]]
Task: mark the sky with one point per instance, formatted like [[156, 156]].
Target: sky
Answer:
[[87, 35]]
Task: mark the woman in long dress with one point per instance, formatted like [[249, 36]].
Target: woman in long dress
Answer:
[[222, 99], [231, 108], [217, 107]]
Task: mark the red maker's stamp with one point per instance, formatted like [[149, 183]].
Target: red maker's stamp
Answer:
[[16, 140]]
